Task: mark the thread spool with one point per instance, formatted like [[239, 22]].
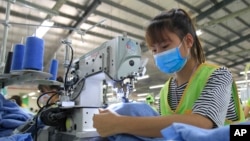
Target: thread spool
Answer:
[[8, 62], [53, 69], [17, 59], [33, 55]]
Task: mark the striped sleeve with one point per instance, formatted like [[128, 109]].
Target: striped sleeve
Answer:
[[216, 97]]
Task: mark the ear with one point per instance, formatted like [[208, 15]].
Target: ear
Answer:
[[189, 40]]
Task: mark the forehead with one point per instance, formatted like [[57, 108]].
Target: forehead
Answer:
[[43, 88], [166, 38]]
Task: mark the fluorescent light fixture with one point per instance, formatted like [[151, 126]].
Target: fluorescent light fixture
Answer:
[[242, 89], [43, 28], [110, 94], [156, 86], [24, 96], [242, 81], [198, 32], [31, 94], [143, 94], [244, 72], [143, 77], [33, 97], [141, 99], [157, 97]]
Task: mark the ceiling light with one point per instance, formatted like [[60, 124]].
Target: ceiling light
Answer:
[[156, 86], [24, 96], [43, 28], [198, 32], [32, 93], [109, 94], [244, 72], [143, 94], [242, 81], [157, 97], [143, 77], [242, 89], [141, 99], [33, 97]]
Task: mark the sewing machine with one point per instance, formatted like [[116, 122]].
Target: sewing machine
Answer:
[[115, 63]]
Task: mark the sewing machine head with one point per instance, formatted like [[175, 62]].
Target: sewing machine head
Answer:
[[116, 63]]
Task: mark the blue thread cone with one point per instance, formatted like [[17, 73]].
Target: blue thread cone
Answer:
[[53, 69], [17, 59], [33, 55]]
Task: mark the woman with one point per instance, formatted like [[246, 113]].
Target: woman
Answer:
[[49, 92], [198, 94]]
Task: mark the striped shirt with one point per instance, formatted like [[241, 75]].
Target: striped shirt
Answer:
[[216, 100]]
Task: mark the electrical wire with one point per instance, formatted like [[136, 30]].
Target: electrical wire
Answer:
[[69, 66], [37, 101], [83, 81]]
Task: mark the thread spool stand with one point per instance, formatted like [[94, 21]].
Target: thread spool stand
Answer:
[[22, 77]]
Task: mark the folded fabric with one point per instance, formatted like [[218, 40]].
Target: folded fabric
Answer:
[[17, 137], [133, 109], [11, 116], [5, 132], [10, 123]]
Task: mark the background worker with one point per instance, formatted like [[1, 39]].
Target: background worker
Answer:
[[50, 91], [150, 101]]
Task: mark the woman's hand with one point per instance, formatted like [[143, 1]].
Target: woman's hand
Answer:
[[106, 122]]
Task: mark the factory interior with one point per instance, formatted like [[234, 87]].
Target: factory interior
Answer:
[[76, 36]]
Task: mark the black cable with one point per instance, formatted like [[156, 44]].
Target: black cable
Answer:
[[48, 101], [83, 81], [37, 101], [37, 116]]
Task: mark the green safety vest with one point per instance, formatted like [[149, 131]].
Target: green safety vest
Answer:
[[192, 92]]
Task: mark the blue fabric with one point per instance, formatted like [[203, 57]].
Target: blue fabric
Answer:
[[17, 137], [185, 132], [133, 109], [11, 116]]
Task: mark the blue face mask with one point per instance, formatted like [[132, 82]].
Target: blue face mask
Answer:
[[170, 61]]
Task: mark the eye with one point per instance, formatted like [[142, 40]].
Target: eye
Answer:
[[153, 51], [42, 91], [165, 46]]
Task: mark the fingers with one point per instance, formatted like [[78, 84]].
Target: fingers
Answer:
[[103, 110]]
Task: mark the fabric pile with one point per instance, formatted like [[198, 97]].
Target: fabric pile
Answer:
[[11, 117]]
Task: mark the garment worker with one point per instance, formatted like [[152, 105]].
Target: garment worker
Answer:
[[18, 100], [49, 92], [199, 94], [150, 100]]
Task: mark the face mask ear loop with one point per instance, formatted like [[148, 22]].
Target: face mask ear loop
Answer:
[[188, 54]]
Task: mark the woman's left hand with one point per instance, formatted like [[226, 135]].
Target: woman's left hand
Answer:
[[106, 122]]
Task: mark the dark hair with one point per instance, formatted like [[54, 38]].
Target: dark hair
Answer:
[[17, 99], [57, 87], [177, 21]]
